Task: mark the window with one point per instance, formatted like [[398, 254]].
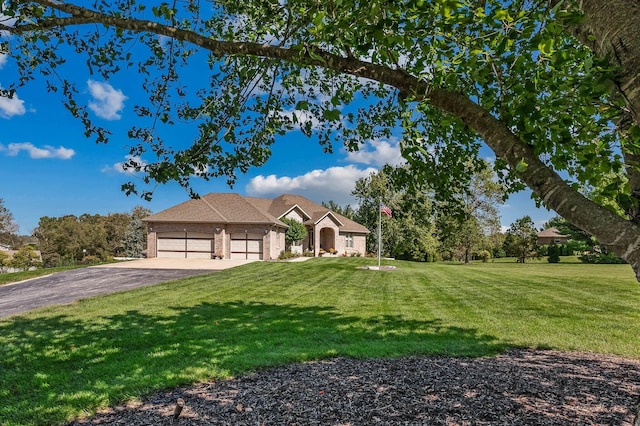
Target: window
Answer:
[[348, 240]]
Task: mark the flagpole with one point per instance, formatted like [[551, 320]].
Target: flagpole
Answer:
[[379, 232]]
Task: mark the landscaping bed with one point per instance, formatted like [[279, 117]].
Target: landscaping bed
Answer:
[[520, 387]]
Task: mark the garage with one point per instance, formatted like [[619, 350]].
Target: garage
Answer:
[[246, 246], [185, 245]]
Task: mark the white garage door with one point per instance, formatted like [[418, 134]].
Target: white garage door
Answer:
[[246, 246], [190, 246]]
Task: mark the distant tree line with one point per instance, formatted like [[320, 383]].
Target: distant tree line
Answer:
[[70, 240], [89, 238], [423, 228]]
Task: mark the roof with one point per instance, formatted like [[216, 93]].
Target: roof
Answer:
[[551, 232], [235, 208], [316, 211], [215, 208]]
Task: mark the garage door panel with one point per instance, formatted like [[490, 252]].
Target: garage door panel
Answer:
[[246, 246], [194, 246], [238, 245], [170, 244], [199, 245], [254, 256], [171, 254], [254, 246]]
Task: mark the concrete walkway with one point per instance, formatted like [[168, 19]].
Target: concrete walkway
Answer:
[[191, 264]]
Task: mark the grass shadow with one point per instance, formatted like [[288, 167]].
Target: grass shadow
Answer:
[[58, 368]]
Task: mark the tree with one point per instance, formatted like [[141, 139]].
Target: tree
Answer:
[[346, 211], [540, 83], [8, 227], [4, 258], [554, 253], [574, 233], [68, 239], [521, 238], [295, 232], [24, 259], [469, 227], [135, 238], [134, 241], [410, 233]]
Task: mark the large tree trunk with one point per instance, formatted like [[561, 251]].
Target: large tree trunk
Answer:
[[611, 30]]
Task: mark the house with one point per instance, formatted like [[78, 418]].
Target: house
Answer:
[[551, 235], [237, 227]]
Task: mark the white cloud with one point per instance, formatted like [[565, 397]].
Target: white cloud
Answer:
[[378, 153], [107, 102], [3, 59], [120, 166], [334, 183], [11, 106], [61, 153]]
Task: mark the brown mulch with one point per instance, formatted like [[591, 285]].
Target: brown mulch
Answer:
[[521, 387]]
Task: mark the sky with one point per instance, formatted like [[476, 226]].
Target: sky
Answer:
[[49, 168]]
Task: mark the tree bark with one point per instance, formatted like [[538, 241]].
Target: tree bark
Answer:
[[610, 30]]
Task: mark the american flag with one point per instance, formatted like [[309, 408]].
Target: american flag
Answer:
[[386, 210]]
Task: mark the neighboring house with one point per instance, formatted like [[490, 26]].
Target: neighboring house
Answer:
[[551, 235], [237, 227]]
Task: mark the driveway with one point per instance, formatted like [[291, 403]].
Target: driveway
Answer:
[[65, 287]]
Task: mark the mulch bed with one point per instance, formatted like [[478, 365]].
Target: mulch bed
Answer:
[[520, 387]]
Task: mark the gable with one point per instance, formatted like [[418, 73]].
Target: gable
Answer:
[[296, 213]]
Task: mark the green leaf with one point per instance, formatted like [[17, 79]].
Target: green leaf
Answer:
[[302, 105], [546, 47], [331, 114], [522, 166]]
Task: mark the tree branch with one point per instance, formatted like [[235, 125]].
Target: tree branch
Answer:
[[612, 230]]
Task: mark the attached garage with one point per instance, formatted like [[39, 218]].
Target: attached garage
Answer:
[[185, 245], [246, 246]]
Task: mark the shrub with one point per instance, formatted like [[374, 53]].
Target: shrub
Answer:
[[484, 255], [307, 253], [284, 255], [601, 258], [499, 252], [553, 251], [88, 260]]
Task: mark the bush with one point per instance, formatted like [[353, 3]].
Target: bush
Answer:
[[89, 260], [499, 252], [284, 255], [601, 258], [554, 253], [307, 253], [483, 255]]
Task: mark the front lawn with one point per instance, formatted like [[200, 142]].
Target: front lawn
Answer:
[[63, 362]]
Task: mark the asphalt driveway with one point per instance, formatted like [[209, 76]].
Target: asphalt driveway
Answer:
[[65, 287]]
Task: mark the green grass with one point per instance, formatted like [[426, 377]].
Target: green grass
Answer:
[[62, 362], [13, 277]]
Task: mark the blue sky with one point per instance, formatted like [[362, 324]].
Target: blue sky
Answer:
[[50, 169]]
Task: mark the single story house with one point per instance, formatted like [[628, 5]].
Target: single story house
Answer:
[[551, 235], [232, 226]]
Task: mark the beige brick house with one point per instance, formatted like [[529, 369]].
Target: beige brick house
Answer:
[[551, 235], [238, 227]]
